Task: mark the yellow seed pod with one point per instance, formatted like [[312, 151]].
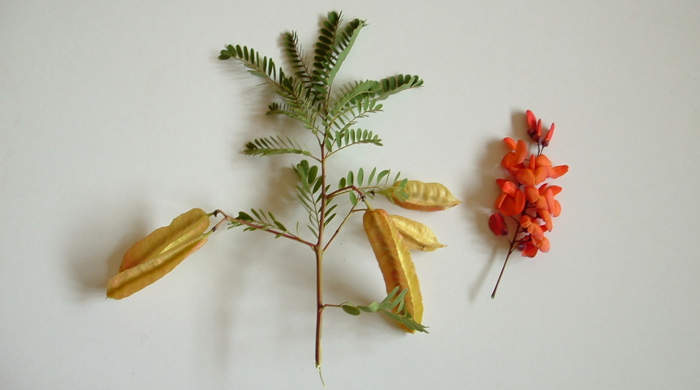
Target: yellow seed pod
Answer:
[[415, 234], [159, 253], [426, 197], [394, 260]]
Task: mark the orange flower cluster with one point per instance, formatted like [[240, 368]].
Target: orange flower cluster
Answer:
[[525, 197]]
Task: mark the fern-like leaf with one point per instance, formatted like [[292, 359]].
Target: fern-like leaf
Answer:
[[302, 113], [260, 220], [352, 113], [274, 145], [362, 98], [331, 49], [343, 44], [290, 88], [349, 137], [309, 186], [352, 94], [392, 306], [296, 57], [395, 84], [260, 66]]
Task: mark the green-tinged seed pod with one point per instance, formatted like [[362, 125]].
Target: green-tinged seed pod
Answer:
[[426, 197], [159, 253], [416, 235], [394, 260]]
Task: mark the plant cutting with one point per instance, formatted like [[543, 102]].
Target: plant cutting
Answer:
[[526, 201], [329, 111]]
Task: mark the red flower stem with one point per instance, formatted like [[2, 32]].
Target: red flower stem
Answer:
[[511, 249]]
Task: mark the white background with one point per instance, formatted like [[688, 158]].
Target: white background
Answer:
[[115, 117]]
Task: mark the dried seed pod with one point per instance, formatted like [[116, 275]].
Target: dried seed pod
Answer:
[[425, 197], [415, 234], [159, 253], [394, 260]]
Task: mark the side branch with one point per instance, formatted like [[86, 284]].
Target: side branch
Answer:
[[345, 190], [337, 231], [262, 227]]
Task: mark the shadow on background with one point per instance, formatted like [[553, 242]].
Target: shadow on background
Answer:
[[480, 201]]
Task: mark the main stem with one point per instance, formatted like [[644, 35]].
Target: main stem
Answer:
[[319, 302], [319, 250], [510, 251], [493, 294]]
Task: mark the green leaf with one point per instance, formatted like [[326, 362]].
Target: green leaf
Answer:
[[313, 171], [264, 68], [244, 216], [331, 49], [312, 230], [352, 310], [393, 299], [398, 174], [382, 174], [224, 55], [407, 321], [344, 42], [329, 218], [371, 176], [395, 84], [274, 145], [280, 226], [296, 57], [348, 137], [317, 185], [352, 94], [353, 198], [371, 308]]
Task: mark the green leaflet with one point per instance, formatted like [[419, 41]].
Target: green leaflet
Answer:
[[393, 300], [349, 137], [376, 183], [274, 145], [263, 220]]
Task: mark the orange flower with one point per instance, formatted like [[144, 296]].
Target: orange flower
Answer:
[[518, 153], [531, 246], [512, 199], [530, 225], [545, 205], [525, 195], [537, 169], [536, 172]]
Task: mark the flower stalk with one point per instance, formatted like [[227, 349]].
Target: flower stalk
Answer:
[[526, 196]]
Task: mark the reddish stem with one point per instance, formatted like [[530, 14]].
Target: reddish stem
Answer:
[[511, 249]]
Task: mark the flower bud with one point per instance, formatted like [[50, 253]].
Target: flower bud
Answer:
[[548, 137], [498, 224]]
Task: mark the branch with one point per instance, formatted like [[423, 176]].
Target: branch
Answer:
[[260, 226]]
